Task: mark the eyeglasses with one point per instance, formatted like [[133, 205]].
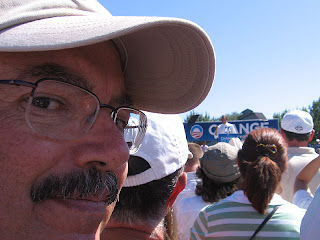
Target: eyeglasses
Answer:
[[63, 110]]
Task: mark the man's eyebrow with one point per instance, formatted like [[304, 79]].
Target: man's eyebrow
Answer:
[[57, 71]]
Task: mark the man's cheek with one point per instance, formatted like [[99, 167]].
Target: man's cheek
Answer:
[[121, 173]]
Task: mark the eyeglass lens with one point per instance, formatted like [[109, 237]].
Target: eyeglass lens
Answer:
[[62, 110]]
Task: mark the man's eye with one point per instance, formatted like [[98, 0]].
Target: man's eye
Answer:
[[46, 103]]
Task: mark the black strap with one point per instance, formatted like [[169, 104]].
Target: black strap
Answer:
[[265, 221]]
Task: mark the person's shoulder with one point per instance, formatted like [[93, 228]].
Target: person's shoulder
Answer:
[[301, 151], [304, 157], [291, 211]]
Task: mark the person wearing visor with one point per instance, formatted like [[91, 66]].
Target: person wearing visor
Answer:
[[72, 79]]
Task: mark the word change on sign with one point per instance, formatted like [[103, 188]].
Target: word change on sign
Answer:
[[204, 131]]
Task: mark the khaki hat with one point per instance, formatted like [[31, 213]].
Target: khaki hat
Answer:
[[196, 150], [169, 63], [219, 163]]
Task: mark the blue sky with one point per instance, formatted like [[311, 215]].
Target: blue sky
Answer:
[[267, 51]]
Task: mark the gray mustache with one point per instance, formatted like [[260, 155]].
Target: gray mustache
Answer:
[[77, 184]]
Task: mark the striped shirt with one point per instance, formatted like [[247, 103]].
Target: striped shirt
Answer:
[[235, 218]]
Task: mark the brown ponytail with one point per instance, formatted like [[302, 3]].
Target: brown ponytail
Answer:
[[262, 160]]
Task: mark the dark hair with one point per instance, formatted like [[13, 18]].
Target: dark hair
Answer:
[[146, 202], [212, 191], [262, 160], [299, 137]]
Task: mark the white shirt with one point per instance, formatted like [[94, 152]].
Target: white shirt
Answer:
[[186, 208], [310, 229], [188, 191], [298, 158], [302, 199], [227, 128], [187, 212], [204, 147]]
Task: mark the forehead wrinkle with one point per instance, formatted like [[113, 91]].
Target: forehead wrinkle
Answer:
[[57, 71]]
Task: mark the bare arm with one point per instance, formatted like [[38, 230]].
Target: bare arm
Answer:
[[216, 131], [306, 175]]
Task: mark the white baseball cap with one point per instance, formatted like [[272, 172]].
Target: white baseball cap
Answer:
[[168, 63], [236, 142], [164, 147], [297, 121]]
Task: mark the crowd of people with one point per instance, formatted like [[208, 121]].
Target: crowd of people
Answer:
[[92, 146], [177, 190], [277, 194]]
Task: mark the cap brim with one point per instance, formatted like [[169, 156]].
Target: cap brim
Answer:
[[170, 66]]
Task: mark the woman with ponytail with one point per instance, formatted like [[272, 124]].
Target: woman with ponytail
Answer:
[[256, 211]]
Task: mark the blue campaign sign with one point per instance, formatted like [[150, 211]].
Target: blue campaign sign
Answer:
[[196, 131], [226, 137], [204, 131]]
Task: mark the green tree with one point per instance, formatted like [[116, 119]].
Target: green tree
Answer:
[[233, 116], [280, 115], [207, 118], [202, 118], [315, 113]]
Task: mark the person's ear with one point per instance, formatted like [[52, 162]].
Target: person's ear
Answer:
[[311, 136], [282, 133], [181, 184]]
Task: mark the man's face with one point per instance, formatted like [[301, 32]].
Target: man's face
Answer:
[[224, 119], [29, 159]]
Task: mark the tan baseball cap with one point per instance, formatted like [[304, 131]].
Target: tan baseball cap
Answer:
[[219, 163], [169, 63]]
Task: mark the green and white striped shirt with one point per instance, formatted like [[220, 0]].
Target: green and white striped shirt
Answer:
[[235, 218]]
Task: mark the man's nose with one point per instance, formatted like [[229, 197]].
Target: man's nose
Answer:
[[103, 146]]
